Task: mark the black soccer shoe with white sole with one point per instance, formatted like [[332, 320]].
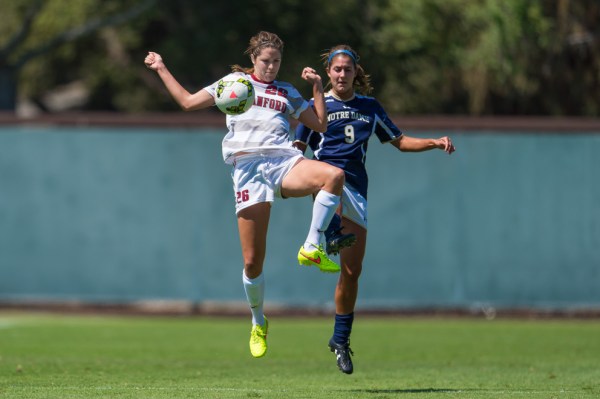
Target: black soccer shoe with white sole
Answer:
[[337, 241], [342, 354]]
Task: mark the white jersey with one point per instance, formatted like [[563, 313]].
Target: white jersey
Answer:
[[265, 126]]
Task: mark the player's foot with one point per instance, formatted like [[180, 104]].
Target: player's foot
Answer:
[[317, 257], [337, 241], [258, 339], [342, 354]]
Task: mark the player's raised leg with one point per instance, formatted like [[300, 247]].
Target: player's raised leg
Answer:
[[305, 178]]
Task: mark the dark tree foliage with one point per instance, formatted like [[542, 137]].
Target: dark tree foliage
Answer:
[[478, 57]]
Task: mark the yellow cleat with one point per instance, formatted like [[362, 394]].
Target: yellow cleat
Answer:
[[318, 258], [258, 339]]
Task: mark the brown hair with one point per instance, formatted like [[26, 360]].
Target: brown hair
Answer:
[[362, 81], [257, 43]]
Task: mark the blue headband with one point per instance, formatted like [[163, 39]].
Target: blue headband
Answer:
[[342, 51]]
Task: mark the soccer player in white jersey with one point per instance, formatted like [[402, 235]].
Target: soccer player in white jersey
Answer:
[[266, 164], [352, 119]]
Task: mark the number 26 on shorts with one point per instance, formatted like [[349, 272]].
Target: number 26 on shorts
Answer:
[[242, 196]]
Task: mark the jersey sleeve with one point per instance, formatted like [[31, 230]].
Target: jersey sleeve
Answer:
[[385, 129], [297, 102], [308, 137], [212, 89], [302, 133]]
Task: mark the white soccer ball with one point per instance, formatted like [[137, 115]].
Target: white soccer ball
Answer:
[[234, 94]]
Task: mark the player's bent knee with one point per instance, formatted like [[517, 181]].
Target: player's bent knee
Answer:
[[354, 275], [352, 272], [337, 176]]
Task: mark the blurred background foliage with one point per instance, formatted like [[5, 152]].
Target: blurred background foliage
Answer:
[[477, 57]]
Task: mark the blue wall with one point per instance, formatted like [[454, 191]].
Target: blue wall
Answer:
[[123, 214]]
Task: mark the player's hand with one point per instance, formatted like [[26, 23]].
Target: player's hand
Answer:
[[444, 143], [300, 145], [154, 61], [311, 76]]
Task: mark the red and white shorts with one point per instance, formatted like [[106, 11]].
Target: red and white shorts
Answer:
[[258, 177]]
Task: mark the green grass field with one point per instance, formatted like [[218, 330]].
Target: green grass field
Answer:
[[66, 356]]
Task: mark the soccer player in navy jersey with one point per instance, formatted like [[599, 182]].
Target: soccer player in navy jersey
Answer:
[[352, 118]]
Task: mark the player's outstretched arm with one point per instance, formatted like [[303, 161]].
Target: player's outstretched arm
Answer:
[[187, 101], [413, 144]]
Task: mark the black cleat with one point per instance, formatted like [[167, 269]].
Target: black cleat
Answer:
[[337, 241], [342, 353]]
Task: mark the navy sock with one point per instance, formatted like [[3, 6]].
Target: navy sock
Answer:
[[342, 328], [335, 224]]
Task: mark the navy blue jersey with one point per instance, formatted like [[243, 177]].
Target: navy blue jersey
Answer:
[[350, 124]]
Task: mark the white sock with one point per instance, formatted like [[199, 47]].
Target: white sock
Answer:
[[324, 207], [255, 293]]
